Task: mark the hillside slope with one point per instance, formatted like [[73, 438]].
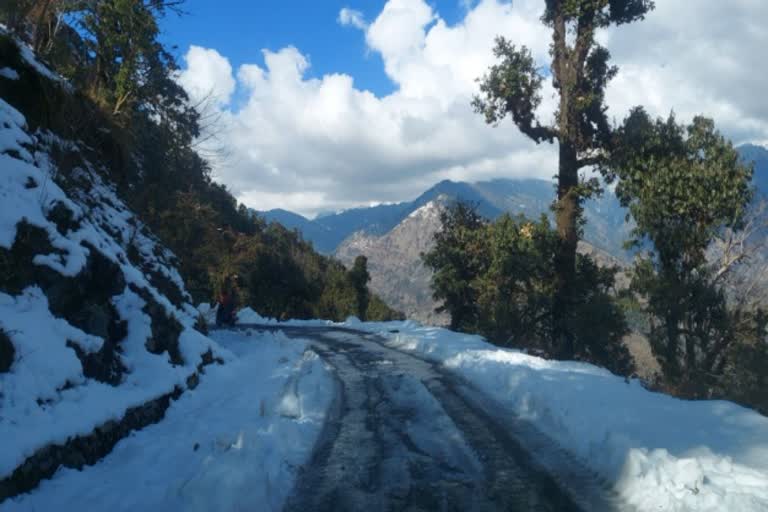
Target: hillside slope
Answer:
[[99, 338], [394, 261], [93, 312]]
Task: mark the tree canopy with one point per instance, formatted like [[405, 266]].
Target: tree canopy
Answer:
[[580, 73]]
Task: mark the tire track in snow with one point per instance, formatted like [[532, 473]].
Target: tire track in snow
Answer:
[[400, 424]]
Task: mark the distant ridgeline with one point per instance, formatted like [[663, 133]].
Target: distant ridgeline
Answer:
[[758, 156], [606, 228], [532, 197]]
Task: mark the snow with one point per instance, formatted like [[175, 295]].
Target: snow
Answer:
[[431, 210], [45, 397], [661, 453], [9, 73], [233, 443], [29, 57], [238, 438], [249, 316]]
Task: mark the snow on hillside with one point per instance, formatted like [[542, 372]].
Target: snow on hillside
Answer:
[[233, 443], [661, 453], [80, 257], [98, 344]]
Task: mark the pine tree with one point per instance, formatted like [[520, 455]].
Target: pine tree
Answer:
[[580, 73]]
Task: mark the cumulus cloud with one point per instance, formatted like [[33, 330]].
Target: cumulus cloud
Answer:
[[208, 75], [352, 18], [696, 58], [312, 144]]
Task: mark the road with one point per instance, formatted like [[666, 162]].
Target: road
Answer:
[[403, 434]]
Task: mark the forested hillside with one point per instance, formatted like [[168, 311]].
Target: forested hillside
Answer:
[[120, 99]]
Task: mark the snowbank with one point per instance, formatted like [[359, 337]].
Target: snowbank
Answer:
[[249, 316], [234, 443], [662, 453]]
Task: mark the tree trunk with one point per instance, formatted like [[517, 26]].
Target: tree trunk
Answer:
[[567, 213], [41, 35]]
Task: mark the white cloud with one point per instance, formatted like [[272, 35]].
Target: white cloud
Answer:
[[323, 144], [207, 75], [696, 58], [352, 18]]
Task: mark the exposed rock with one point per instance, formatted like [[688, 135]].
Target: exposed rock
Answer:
[[83, 450], [165, 328], [16, 268], [7, 352], [103, 366], [166, 286], [64, 218], [400, 278], [87, 450], [394, 262]]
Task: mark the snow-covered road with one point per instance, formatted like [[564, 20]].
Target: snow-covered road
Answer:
[[326, 418], [313, 416], [404, 435]]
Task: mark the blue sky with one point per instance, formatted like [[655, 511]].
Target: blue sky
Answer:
[[240, 29]]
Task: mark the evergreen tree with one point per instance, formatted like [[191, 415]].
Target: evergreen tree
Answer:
[[131, 68], [683, 185], [457, 259], [359, 277], [580, 74], [498, 279]]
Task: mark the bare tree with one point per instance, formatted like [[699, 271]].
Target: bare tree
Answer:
[[210, 143], [738, 260]]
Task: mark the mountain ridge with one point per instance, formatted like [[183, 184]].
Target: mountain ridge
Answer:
[[492, 198], [606, 226]]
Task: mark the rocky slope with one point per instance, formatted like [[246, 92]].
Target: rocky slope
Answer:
[[394, 262]]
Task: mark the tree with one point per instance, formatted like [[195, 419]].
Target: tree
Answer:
[[499, 279], [580, 73], [359, 278], [132, 69], [684, 186], [515, 290], [456, 259]]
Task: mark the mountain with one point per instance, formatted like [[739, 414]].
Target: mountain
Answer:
[[394, 261], [321, 236], [606, 227], [393, 257], [758, 155]]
